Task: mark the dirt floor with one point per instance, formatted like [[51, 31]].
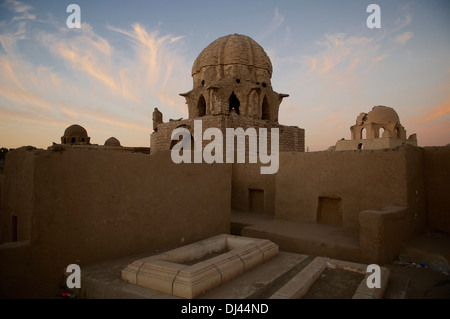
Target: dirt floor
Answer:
[[417, 283], [335, 284], [424, 283]]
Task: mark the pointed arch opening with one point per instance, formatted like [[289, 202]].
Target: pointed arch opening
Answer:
[[201, 106], [380, 132], [234, 103], [265, 109], [363, 133]]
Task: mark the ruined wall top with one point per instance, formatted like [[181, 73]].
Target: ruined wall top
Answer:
[[379, 115]]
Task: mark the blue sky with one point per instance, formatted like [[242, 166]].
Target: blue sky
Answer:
[[129, 57]]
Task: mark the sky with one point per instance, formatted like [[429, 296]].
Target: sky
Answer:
[[131, 56]]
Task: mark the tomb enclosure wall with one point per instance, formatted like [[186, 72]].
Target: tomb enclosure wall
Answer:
[[85, 205], [361, 180]]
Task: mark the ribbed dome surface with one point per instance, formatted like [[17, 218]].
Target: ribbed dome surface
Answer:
[[233, 49]]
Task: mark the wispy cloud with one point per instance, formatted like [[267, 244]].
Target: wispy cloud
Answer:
[[89, 80], [435, 112], [275, 23], [22, 10], [404, 37], [341, 53]]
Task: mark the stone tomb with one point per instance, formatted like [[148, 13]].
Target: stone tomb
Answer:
[[192, 270]]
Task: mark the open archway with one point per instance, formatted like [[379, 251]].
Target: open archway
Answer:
[[363, 133], [234, 103], [201, 106]]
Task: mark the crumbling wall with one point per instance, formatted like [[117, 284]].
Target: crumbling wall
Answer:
[[85, 206]]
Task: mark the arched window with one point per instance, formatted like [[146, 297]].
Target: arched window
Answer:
[[234, 103], [360, 146], [72, 140], [201, 106], [380, 132], [397, 132], [363, 133], [265, 109]]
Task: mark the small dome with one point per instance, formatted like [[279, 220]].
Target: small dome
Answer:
[[233, 49], [75, 130], [112, 141], [75, 134], [382, 115]]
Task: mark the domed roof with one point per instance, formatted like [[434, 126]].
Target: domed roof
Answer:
[[112, 141], [233, 49], [75, 130], [382, 115]]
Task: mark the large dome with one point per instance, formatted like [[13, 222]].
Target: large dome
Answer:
[[233, 49], [75, 130], [382, 115]]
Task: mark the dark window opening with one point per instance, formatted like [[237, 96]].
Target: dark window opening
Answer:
[[14, 228], [234, 103], [64, 140], [201, 106], [264, 84], [203, 82], [360, 146], [265, 109], [73, 140], [329, 211], [82, 139], [238, 81]]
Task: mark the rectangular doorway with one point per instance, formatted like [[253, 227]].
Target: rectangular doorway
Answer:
[[256, 200]]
